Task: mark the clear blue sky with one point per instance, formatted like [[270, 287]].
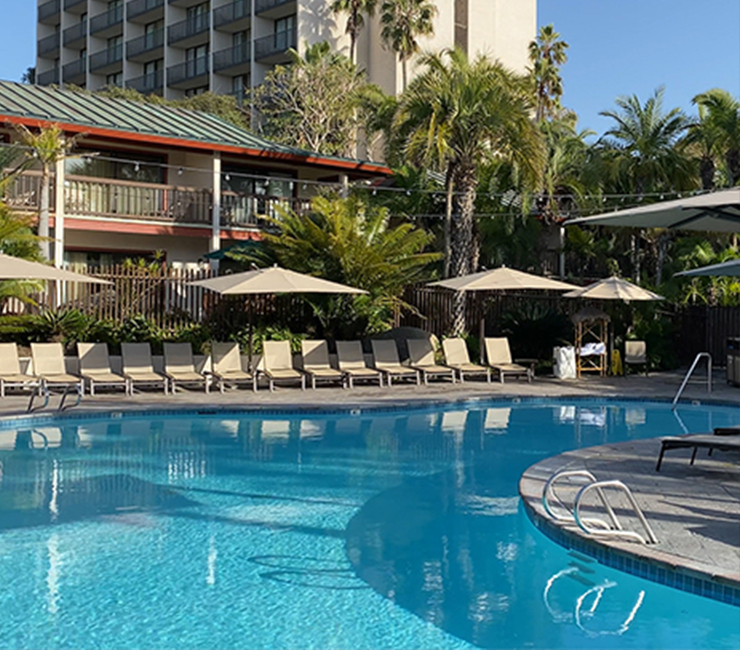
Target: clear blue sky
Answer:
[[617, 47]]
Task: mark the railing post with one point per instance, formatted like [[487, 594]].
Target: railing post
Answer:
[[59, 196], [215, 242]]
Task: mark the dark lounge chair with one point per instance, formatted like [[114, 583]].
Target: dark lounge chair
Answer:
[[723, 439]]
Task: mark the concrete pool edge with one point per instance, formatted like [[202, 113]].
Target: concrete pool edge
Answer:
[[686, 574]]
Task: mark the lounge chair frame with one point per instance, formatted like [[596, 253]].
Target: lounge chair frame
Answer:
[[421, 358], [351, 360], [385, 359], [719, 441], [179, 367], [457, 357], [316, 364], [104, 377], [11, 376], [49, 367], [498, 355], [138, 367], [226, 366], [277, 359]]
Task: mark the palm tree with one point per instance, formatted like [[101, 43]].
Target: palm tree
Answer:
[[722, 112], [47, 146], [356, 18], [704, 140], [453, 117], [403, 21], [547, 54]]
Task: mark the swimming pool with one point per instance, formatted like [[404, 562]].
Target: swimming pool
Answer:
[[375, 529]]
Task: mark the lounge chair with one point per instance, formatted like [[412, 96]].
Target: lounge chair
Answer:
[[226, 366], [457, 358], [421, 357], [180, 368], [95, 368], [721, 442], [278, 364], [138, 368], [635, 353], [10, 370], [316, 363], [385, 359], [48, 366], [352, 362], [498, 356]]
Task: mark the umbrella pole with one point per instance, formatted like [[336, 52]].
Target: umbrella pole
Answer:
[[251, 332], [482, 337]]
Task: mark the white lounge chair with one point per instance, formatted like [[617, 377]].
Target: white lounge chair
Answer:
[[48, 366], [635, 353], [457, 358], [385, 359], [316, 363], [138, 367], [180, 367], [10, 370], [95, 368], [277, 360], [352, 362], [226, 366], [421, 357], [498, 356]]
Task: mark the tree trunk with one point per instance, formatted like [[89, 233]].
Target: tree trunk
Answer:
[[464, 242], [706, 171], [663, 240], [43, 228], [450, 183], [733, 165], [404, 74]]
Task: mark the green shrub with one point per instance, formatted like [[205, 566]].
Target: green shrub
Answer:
[[197, 335], [658, 332], [534, 330]]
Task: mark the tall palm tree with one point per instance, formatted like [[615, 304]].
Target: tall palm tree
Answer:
[[47, 146], [456, 115], [547, 54], [357, 9], [722, 111], [403, 22], [704, 140]]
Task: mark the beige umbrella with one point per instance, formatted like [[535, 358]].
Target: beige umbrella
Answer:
[[501, 279], [714, 212], [15, 268], [613, 288], [270, 281]]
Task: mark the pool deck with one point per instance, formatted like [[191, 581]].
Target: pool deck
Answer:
[[694, 510]]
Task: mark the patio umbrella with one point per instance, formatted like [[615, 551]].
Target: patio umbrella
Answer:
[[501, 279], [613, 288], [271, 281], [715, 212], [15, 268], [725, 268]]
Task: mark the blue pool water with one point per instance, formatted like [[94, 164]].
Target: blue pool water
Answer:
[[395, 529]]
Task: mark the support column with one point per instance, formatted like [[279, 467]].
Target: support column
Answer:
[[59, 213], [344, 182], [215, 242]]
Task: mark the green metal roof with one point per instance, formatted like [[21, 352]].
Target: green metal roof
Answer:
[[65, 107]]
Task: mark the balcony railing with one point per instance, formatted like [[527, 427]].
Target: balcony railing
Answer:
[[274, 44], [48, 77], [106, 58], [73, 70], [49, 10], [260, 6], [110, 18], [146, 43], [189, 70], [139, 7], [70, 5], [48, 45], [114, 199], [188, 28], [75, 33], [148, 83], [231, 57], [235, 11]]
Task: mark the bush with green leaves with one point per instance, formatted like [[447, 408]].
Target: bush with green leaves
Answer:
[[534, 330]]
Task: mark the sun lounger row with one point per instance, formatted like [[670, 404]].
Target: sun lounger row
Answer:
[[49, 369]]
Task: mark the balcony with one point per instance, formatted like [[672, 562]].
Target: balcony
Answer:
[[234, 57], [75, 35], [274, 48], [105, 61], [147, 47], [234, 17], [74, 72], [246, 210], [109, 23], [75, 6], [48, 47], [49, 12], [147, 84], [274, 8], [190, 74], [141, 8], [49, 77], [189, 32]]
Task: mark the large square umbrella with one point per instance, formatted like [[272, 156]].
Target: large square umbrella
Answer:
[[271, 280], [731, 267]]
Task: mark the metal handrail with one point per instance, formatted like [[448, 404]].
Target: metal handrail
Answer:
[[40, 390], [698, 357], [549, 493], [618, 531]]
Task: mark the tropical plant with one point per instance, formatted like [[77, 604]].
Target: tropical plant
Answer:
[[453, 117], [403, 22], [356, 10], [546, 55], [719, 112]]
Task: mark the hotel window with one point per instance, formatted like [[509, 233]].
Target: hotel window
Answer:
[[240, 87], [197, 60], [115, 79], [198, 17]]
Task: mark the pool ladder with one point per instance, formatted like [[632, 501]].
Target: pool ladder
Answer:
[[699, 357], [42, 390], [592, 525]]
